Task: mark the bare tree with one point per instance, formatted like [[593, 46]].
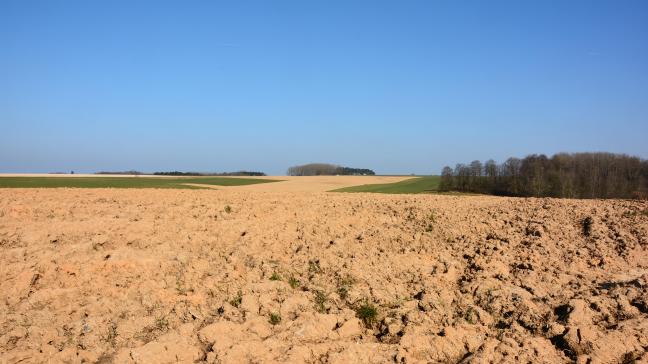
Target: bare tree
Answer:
[[446, 183], [579, 175]]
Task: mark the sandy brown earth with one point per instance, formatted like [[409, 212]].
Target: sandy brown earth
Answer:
[[157, 276], [313, 183]]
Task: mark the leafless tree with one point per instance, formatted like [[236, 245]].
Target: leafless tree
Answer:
[[579, 175]]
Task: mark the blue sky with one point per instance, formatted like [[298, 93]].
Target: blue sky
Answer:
[[398, 86]]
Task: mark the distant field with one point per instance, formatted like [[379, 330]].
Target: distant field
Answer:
[[124, 182], [412, 185]]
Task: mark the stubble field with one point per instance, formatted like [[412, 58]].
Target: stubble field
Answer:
[[240, 275]]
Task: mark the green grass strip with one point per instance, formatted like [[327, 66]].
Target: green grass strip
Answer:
[[425, 184], [124, 182]]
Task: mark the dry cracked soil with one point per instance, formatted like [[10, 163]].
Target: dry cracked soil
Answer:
[[237, 276]]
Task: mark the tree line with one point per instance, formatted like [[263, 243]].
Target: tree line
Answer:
[[325, 169], [238, 173], [577, 175], [132, 172]]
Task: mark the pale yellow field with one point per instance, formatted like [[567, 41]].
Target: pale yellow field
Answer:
[[313, 183]]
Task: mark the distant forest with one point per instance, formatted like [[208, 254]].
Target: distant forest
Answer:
[[239, 173], [579, 175], [177, 173], [120, 172], [324, 169]]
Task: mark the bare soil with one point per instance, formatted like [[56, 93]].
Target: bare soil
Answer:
[[236, 275], [315, 183]]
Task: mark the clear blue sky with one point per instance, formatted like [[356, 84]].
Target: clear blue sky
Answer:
[[398, 86]]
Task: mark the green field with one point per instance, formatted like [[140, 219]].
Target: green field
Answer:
[[425, 184], [124, 182]]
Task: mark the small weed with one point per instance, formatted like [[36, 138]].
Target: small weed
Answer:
[[368, 313], [228, 208], [429, 228], [162, 324], [432, 218], [275, 277], [152, 308], [314, 267], [294, 282], [320, 301], [344, 285], [469, 315], [180, 287], [275, 318], [587, 225], [68, 334], [236, 301], [343, 292], [111, 336]]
